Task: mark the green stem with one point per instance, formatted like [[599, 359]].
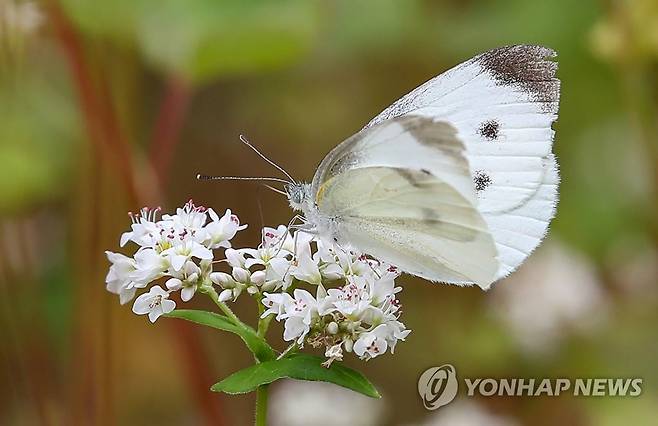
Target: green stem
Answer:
[[262, 391], [263, 323], [261, 405], [224, 307], [290, 349]]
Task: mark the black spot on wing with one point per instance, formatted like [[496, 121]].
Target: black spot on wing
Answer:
[[489, 130], [526, 67], [481, 180]]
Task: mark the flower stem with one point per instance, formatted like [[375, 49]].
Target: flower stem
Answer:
[[262, 391], [261, 405], [290, 349], [263, 323], [223, 306]]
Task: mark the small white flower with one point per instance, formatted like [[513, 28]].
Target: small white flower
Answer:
[[306, 269], [185, 280], [372, 343], [276, 304], [235, 258], [188, 221], [396, 332], [150, 266], [299, 315], [181, 253], [276, 246], [144, 230], [221, 230], [279, 237], [154, 303], [383, 289], [119, 277], [278, 273], [351, 300], [295, 328]]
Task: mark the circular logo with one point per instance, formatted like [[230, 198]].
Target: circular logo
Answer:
[[437, 386]]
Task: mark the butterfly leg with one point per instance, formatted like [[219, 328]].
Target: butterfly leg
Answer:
[[290, 225]]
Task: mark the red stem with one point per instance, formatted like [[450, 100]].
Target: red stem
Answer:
[[104, 131], [168, 126], [100, 121]]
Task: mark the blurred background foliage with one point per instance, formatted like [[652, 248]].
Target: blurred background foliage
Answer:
[[108, 106]]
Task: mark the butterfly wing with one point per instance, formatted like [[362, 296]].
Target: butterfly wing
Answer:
[[502, 103], [402, 192]]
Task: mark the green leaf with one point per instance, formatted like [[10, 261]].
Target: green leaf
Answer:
[[301, 367], [204, 39], [261, 350]]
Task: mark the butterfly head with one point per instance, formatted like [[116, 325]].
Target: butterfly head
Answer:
[[299, 194]]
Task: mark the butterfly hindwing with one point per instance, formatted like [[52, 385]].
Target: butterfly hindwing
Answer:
[[402, 192]]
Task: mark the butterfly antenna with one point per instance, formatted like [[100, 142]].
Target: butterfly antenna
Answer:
[[265, 179], [261, 155]]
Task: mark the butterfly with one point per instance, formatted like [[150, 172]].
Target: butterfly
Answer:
[[455, 182]]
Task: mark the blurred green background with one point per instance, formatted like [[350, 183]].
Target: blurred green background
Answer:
[[108, 106]]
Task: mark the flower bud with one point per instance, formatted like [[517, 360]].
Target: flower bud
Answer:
[[269, 285], [225, 295], [332, 328], [222, 279], [252, 289], [241, 275], [234, 257], [258, 278], [174, 284]]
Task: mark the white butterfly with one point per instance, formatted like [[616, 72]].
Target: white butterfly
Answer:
[[455, 182]]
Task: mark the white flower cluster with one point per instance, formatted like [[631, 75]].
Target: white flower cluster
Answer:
[[360, 313], [178, 246], [354, 308]]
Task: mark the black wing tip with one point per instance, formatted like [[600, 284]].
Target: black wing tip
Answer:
[[529, 67], [535, 51]]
